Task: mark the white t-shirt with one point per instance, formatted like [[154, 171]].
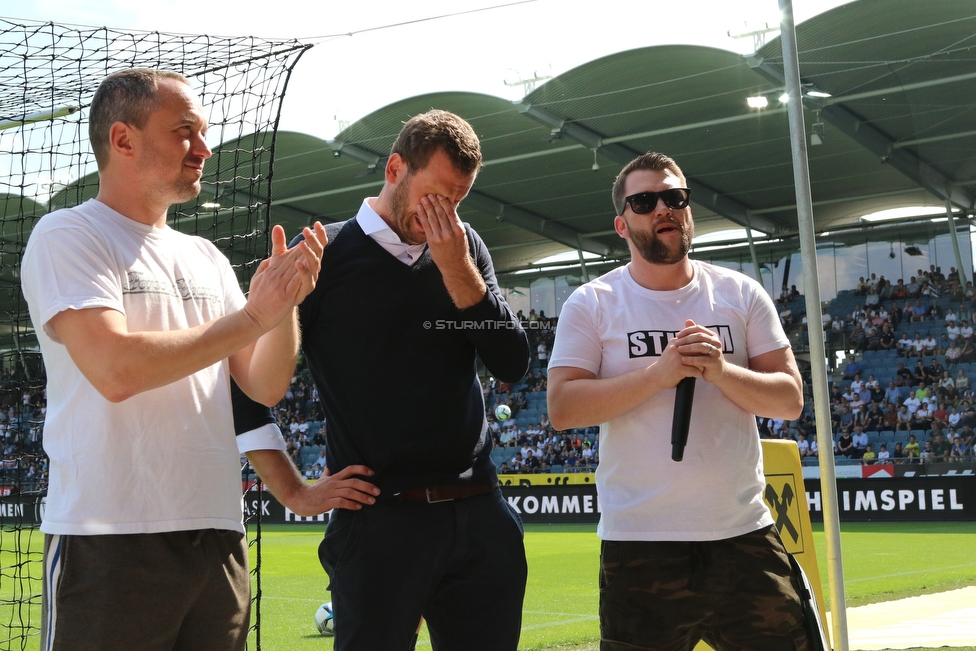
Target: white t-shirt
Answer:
[[612, 326], [162, 460]]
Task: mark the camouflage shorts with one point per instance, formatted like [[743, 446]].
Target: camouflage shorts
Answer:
[[733, 594]]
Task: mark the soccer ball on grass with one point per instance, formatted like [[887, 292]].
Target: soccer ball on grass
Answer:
[[324, 620]]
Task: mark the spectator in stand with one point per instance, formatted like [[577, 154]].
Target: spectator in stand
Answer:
[[903, 376], [874, 388], [898, 454], [919, 375], [862, 287], [940, 415], [852, 368], [542, 353], [904, 345], [890, 418], [959, 451], [968, 437], [872, 299], [803, 446], [922, 418], [946, 388], [912, 450], [883, 455], [904, 418], [961, 382], [875, 418], [320, 461], [572, 461], [940, 447], [785, 314], [954, 417], [845, 443], [885, 289], [930, 345], [922, 391], [887, 339], [860, 440], [954, 352], [968, 353], [927, 454], [858, 339], [899, 291], [913, 287], [965, 329], [952, 328], [872, 335], [891, 394], [918, 346], [868, 456], [919, 312], [825, 318]]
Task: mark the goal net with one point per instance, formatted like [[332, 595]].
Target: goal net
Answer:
[[48, 75]]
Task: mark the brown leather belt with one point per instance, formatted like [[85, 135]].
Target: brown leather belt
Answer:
[[445, 492]]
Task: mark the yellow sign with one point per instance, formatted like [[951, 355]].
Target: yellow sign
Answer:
[[556, 479]]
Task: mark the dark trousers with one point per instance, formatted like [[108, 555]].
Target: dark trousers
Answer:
[[459, 564]]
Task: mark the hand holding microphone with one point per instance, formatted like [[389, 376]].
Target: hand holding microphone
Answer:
[[684, 395]]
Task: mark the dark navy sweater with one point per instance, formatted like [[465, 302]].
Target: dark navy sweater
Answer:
[[394, 363]]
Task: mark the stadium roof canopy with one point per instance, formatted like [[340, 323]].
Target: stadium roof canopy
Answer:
[[889, 88]]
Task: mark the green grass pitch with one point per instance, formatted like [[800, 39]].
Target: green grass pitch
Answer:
[[881, 562]]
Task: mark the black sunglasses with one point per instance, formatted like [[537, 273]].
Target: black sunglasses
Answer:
[[645, 202]]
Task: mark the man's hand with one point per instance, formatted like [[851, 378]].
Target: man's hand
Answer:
[[340, 491], [701, 348], [448, 244], [344, 490], [446, 238], [286, 278]]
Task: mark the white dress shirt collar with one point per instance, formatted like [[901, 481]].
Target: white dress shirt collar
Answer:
[[377, 228]]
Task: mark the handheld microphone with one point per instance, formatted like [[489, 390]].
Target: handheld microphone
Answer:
[[684, 394]]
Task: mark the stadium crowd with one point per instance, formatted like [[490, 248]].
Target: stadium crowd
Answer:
[[905, 393], [23, 466]]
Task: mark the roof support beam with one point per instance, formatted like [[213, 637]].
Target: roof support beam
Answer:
[[876, 141], [538, 224], [702, 194]]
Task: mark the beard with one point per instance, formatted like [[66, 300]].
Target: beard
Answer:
[[655, 251], [402, 216]]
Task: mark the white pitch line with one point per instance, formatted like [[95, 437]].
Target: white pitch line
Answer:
[[577, 620], [889, 576]]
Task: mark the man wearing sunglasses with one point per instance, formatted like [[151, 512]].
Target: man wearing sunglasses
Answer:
[[689, 549]]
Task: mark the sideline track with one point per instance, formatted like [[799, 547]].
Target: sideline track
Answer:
[[932, 620]]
